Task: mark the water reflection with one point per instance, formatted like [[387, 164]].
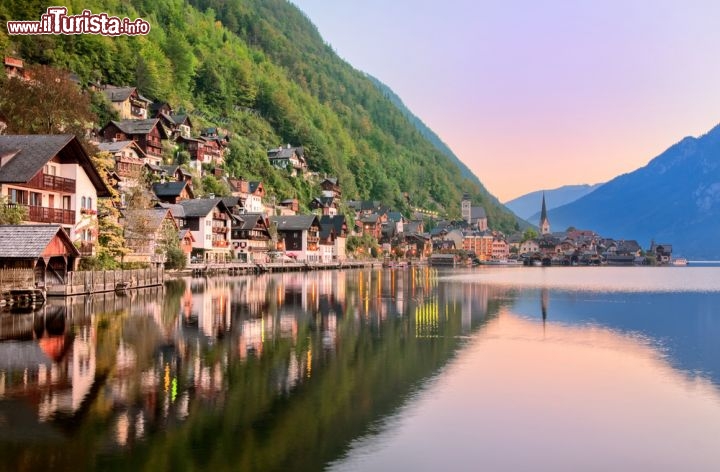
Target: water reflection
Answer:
[[294, 371], [273, 371]]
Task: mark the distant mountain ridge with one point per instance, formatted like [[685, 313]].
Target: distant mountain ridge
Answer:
[[528, 206], [674, 199]]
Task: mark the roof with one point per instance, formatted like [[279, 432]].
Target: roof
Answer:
[[117, 146], [294, 222], [118, 94], [184, 232], [200, 207], [372, 218], [172, 169], [395, 216], [169, 189], [332, 180], [250, 221], [477, 213], [23, 156], [253, 186], [286, 152], [135, 126], [329, 223], [177, 210], [231, 201], [150, 218], [181, 119], [30, 241]]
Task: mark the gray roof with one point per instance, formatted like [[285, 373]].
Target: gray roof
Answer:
[[136, 126], [200, 207], [118, 146], [171, 169], [177, 210], [395, 216], [477, 213], [118, 94], [286, 152], [169, 189], [29, 241], [332, 180], [253, 186], [294, 222], [29, 153], [250, 221], [328, 223], [150, 218]]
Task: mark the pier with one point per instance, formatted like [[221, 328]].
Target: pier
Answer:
[[240, 268]]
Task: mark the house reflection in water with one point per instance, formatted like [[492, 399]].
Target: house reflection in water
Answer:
[[146, 361]]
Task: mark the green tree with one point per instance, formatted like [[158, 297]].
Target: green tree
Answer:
[[529, 234], [11, 214]]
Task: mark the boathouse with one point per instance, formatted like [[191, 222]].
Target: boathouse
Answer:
[[32, 254]]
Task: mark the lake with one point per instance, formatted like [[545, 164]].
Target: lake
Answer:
[[583, 368]]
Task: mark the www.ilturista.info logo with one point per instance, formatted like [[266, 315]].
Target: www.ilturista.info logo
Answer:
[[57, 21]]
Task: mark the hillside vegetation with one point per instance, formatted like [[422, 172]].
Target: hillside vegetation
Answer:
[[260, 69]]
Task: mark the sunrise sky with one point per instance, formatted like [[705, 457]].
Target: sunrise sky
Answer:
[[534, 95]]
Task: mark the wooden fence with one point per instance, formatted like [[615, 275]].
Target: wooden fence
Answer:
[[84, 282], [11, 279]]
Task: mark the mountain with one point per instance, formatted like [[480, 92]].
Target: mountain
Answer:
[[488, 200], [528, 206], [674, 199], [261, 69]]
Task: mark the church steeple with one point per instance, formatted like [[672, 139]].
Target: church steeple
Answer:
[[544, 222]]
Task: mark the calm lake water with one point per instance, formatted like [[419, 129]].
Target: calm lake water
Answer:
[[415, 369]]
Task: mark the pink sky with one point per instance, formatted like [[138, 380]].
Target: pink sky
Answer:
[[534, 95]]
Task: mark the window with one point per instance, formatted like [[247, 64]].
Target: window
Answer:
[[17, 196], [82, 203], [36, 199], [89, 203]]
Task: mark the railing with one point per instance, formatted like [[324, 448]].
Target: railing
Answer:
[[220, 243], [50, 215], [88, 211], [52, 182], [220, 229]]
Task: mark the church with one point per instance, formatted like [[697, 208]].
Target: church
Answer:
[[474, 215]]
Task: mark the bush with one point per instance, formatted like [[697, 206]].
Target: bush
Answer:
[[175, 258]]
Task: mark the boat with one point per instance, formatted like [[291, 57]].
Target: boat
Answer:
[[679, 262]]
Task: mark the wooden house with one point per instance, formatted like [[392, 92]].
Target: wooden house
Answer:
[[148, 134]]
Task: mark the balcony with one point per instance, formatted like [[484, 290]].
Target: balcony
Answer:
[[38, 214], [220, 243], [220, 229], [52, 183], [86, 248]]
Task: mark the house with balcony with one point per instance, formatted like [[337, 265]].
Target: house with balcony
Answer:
[[291, 158], [210, 223], [129, 161], [54, 178], [250, 238], [148, 134], [298, 236], [324, 205], [128, 102]]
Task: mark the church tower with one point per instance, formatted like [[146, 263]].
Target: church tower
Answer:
[[544, 222], [465, 208]]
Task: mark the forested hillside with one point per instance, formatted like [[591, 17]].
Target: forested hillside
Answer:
[[260, 69]]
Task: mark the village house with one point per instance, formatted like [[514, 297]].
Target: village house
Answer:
[[176, 125], [173, 192], [331, 187], [250, 238], [210, 222], [128, 102], [372, 224], [333, 238], [290, 206], [145, 232], [324, 205], [251, 192], [292, 158], [148, 134], [177, 173], [479, 243], [54, 178], [298, 236], [530, 246], [129, 161]]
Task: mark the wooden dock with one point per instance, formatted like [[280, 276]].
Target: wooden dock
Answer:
[[240, 268]]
